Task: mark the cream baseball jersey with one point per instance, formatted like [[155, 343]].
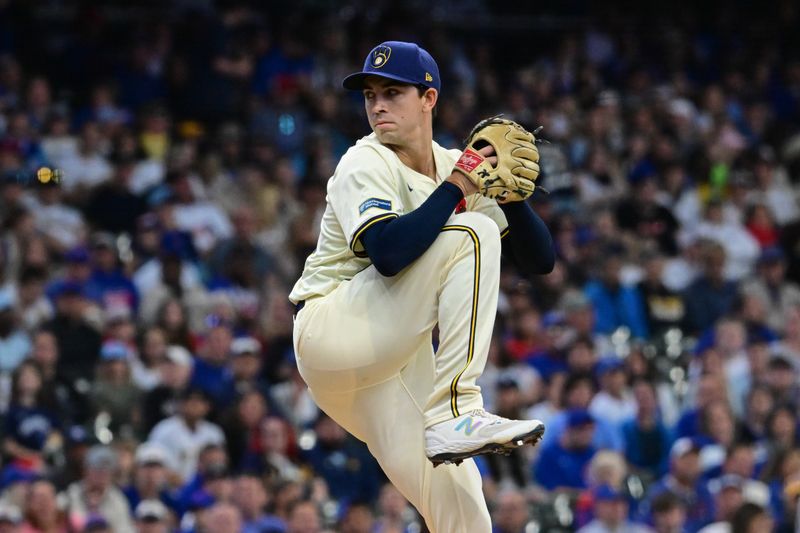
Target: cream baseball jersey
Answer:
[[370, 185]]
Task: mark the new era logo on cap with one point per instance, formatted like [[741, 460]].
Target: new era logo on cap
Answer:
[[400, 61]]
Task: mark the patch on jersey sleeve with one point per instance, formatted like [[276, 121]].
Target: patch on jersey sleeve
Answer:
[[378, 203]]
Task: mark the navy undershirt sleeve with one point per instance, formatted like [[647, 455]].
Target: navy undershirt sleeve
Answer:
[[528, 243], [394, 244]]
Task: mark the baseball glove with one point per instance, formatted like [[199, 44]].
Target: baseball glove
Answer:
[[514, 177]]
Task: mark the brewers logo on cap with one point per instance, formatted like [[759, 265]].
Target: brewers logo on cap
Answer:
[[380, 56]]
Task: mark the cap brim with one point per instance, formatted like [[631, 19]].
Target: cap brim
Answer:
[[355, 82]]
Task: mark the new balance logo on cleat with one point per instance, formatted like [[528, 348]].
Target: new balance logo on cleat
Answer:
[[477, 433]]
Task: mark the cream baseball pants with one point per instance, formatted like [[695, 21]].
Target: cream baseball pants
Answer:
[[365, 352]]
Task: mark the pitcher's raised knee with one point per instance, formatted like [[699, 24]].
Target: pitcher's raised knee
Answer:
[[483, 227]]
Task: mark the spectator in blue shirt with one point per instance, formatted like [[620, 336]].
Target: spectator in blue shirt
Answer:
[[351, 473], [684, 481], [647, 439], [615, 304], [212, 372], [562, 464]]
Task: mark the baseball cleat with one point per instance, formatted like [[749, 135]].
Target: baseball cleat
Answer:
[[478, 433]]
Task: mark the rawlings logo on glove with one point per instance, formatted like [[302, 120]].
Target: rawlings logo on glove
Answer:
[[513, 178]]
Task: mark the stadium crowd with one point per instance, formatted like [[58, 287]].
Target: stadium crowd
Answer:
[[147, 377]]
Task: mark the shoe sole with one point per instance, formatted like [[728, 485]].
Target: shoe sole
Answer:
[[505, 448]]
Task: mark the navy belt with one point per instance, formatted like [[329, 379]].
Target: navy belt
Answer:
[[298, 306]]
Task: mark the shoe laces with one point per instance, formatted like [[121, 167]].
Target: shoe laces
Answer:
[[495, 419]]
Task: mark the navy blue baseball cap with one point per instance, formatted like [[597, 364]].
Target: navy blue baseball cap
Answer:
[[400, 61]]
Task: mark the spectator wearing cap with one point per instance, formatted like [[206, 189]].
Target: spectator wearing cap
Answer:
[[563, 463], [113, 392], [108, 285], [175, 371], [512, 468], [728, 497], [28, 427], [347, 467], [14, 484], [97, 524], [781, 377], [42, 512], [711, 295], [578, 391], [741, 461], [77, 270], [614, 400], [77, 442], [112, 206], [683, 480], [611, 513], [647, 438], [251, 498], [14, 340], [212, 372], [615, 304], [773, 289], [96, 491], [10, 519], [151, 477], [212, 460], [78, 342], [187, 432], [152, 516]]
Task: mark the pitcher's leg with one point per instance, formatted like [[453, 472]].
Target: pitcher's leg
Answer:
[[386, 417], [467, 309]]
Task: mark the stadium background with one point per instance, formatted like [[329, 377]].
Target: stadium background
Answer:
[[194, 139]]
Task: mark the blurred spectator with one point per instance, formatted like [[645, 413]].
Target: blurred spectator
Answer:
[[751, 518], [10, 519], [669, 513], [512, 513], [614, 401], [113, 392], [358, 518], [111, 205], [683, 480], [152, 516], [351, 473], [304, 517], [647, 439], [14, 341], [87, 167], [151, 478], [561, 464], [29, 429], [394, 511], [611, 511], [770, 285], [78, 342], [222, 517], [96, 492], [185, 433], [162, 401], [211, 372], [42, 511], [615, 304], [251, 498], [34, 307], [145, 362], [711, 295]]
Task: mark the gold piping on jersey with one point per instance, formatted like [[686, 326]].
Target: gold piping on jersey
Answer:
[[369, 222], [473, 318], [504, 232]]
